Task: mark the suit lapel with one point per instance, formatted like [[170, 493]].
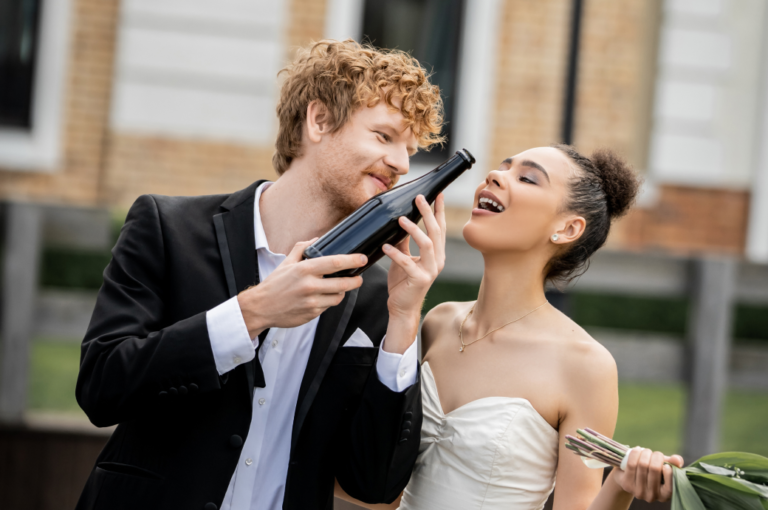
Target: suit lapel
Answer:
[[237, 244], [330, 329]]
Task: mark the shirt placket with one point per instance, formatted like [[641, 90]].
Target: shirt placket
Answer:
[[269, 356]]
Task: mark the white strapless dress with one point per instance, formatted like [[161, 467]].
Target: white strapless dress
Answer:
[[492, 453]]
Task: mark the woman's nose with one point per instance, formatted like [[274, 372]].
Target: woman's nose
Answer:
[[495, 178]]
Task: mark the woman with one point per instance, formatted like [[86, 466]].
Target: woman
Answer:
[[505, 378]]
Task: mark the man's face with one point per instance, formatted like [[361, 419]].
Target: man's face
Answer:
[[365, 157]]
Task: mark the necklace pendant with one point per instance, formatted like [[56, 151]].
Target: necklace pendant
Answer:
[[461, 349]]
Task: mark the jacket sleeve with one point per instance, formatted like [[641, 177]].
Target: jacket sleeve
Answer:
[[130, 358], [378, 453]]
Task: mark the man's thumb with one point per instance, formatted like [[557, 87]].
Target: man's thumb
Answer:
[[297, 253]]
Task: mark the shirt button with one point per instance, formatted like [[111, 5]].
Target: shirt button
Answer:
[[402, 373], [262, 401], [237, 359], [274, 343], [248, 462]]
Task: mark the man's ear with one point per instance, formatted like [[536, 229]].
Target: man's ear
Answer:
[[571, 230], [319, 121]]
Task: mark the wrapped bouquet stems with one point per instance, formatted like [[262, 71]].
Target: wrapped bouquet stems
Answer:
[[730, 480]]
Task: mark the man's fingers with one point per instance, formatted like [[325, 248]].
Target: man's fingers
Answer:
[[440, 212], [401, 259], [334, 263], [425, 244], [338, 285], [297, 253], [430, 222]]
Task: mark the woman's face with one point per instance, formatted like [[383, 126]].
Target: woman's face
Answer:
[[529, 191]]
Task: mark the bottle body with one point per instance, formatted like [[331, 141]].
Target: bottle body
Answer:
[[375, 223]]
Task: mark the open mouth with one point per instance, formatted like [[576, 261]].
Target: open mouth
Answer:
[[488, 202]]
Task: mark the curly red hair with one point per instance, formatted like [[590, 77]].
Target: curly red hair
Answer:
[[345, 75]]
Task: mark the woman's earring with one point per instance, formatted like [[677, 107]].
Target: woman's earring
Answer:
[[554, 237]]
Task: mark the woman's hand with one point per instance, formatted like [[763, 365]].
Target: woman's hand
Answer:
[[643, 476]]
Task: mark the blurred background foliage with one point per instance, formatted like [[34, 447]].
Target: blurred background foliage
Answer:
[[650, 415]]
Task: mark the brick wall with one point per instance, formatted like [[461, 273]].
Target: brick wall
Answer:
[[616, 76], [686, 220], [141, 164], [85, 119], [530, 75]]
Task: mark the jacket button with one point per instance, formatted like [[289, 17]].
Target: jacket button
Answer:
[[163, 394], [182, 390], [210, 506], [408, 415], [405, 434], [236, 441], [173, 391], [193, 387], [407, 425]]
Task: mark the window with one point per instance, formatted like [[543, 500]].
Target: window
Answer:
[[18, 50], [430, 30]]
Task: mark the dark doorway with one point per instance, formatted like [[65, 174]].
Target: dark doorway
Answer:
[[19, 34], [431, 31]]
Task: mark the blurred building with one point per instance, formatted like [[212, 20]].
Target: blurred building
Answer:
[[105, 100]]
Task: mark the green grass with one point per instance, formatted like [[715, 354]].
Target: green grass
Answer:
[[53, 374], [653, 416]]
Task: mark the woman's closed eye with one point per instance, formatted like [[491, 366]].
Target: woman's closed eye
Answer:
[[527, 180]]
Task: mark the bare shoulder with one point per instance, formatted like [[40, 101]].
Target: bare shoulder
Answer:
[[584, 360], [438, 320]]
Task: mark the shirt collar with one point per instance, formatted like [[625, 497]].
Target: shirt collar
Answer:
[[261, 237]]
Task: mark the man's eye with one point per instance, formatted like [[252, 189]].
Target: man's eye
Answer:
[[385, 137]]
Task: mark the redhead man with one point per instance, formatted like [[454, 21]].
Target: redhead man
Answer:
[[238, 377]]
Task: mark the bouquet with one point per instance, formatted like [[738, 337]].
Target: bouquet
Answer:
[[731, 480]]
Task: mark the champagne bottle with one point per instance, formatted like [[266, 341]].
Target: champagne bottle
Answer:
[[375, 223]]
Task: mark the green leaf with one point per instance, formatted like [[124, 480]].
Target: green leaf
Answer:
[[755, 467], [736, 484], [716, 470], [720, 497], [684, 496]]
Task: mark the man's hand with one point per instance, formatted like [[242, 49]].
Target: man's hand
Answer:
[[411, 277], [296, 292]]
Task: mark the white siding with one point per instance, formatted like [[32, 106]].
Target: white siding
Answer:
[[707, 93], [199, 69]]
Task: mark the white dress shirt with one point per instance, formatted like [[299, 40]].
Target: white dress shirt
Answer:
[[259, 479]]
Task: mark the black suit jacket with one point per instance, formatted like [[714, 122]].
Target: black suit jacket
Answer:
[[147, 366]]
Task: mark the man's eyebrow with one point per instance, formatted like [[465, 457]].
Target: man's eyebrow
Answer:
[[533, 164]]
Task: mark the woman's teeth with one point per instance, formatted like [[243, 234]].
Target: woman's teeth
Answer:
[[490, 205]]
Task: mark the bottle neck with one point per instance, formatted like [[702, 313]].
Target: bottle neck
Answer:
[[431, 184]]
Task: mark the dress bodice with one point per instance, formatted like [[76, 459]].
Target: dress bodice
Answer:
[[492, 453]]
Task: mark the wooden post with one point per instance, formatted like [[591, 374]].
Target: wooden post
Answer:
[[709, 329], [20, 267]]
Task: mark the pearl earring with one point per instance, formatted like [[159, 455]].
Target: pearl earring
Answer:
[[554, 237]]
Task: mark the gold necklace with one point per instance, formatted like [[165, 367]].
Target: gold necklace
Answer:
[[471, 310]]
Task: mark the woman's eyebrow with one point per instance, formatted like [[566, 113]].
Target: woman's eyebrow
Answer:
[[533, 164]]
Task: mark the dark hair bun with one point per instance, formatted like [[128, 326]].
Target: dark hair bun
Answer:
[[618, 181]]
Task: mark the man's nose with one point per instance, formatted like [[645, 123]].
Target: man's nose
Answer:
[[398, 160]]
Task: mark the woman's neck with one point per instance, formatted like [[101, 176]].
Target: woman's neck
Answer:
[[511, 287]]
